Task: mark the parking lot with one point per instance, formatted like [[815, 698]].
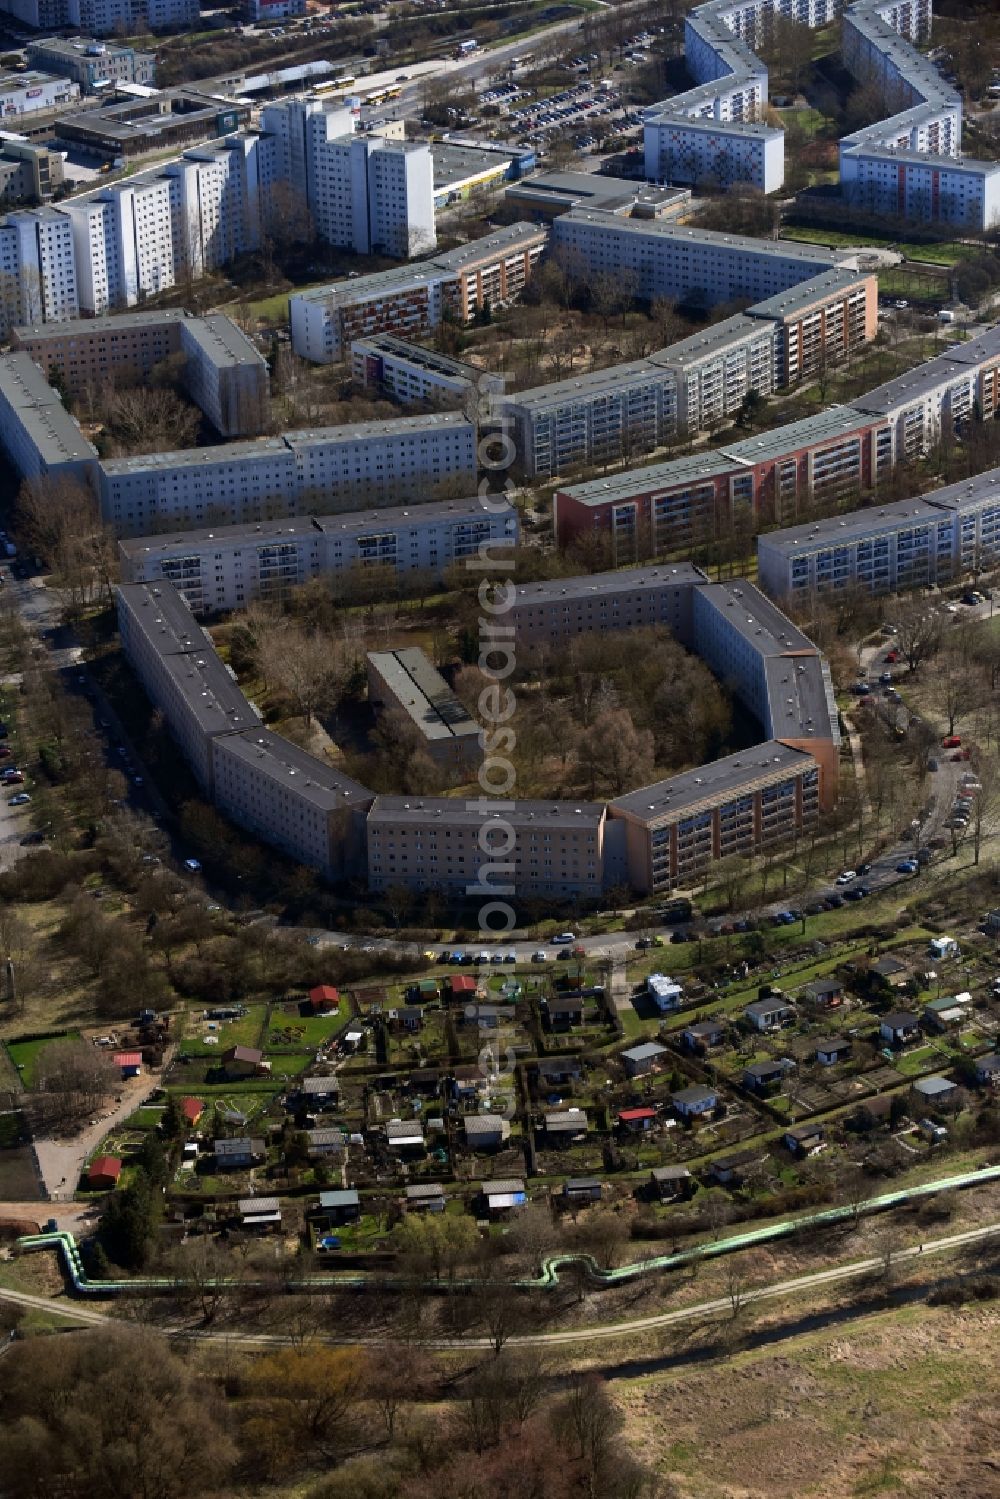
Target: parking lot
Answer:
[[578, 107]]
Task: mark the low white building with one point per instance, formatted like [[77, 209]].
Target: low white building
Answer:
[[27, 93]]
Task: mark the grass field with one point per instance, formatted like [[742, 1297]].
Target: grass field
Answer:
[[902, 1401], [25, 1054]]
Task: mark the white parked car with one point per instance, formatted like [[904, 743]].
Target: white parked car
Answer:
[[847, 876]]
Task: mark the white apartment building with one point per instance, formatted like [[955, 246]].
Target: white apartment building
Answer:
[[375, 196], [656, 259], [603, 417], [38, 266], [945, 390], [127, 17], [122, 244], [715, 370], [441, 842], [911, 544], [27, 93], [222, 371], [909, 166], [223, 568], [414, 458], [709, 153], [224, 374]]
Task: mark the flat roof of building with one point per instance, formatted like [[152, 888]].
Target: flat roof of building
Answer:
[[685, 234], [41, 412], [400, 278], [454, 164], [912, 386], [850, 525], [594, 189], [421, 692], [498, 242], [161, 613], [579, 387], [118, 322], [402, 349], [711, 341], [693, 469], [665, 116], [627, 580], [311, 778], [83, 46], [30, 78], [570, 816], [218, 337], [797, 299], [825, 426], [287, 443], [348, 523], [705, 786], [753, 614]]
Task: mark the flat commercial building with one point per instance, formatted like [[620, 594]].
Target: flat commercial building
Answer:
[[405, 681], [412, 375], [413, 458], [547, 194], [91, 63], [223, 372], [916, 543], [410, 300], [128, 128], [39, 437], [29, 92], [224, 567], [460, 170], [444, 843]]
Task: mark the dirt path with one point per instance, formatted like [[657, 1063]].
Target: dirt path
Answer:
[[61, 1161]]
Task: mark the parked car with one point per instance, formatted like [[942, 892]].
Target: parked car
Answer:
[[951, 741], [907, 866], [563, 937], [193, 866], [539, 956], [19, 800], [847, 876]]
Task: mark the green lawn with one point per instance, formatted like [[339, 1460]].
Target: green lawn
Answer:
[[288, 1028], [243, 1032], [810, 122], [24, 1054]]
